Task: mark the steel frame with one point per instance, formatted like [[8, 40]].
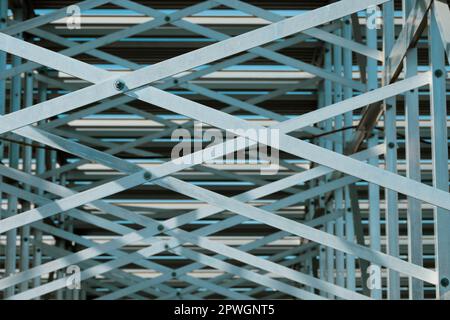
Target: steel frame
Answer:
[[337, 257]]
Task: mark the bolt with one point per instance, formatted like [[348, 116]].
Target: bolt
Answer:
[[349, 209], [438, 73], [391, 145], [166, 246], [119, 85], [160, 227], [167, 18], [175, 81], [445, 282], [347, 21], [25, 239], [174, 274], [147, 175]]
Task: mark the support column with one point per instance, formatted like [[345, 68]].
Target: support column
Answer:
[[414, 212], [347, 135], [439, 139], [374, 190], [14, 153], [390, 136]]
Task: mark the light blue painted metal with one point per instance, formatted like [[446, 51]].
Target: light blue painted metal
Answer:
[[90, 187], [390, 132], [439, 154]]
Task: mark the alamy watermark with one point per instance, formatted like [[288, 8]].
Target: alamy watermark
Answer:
[[230, 148], [374, 17], [374, 279], [73, 281], [73, 21]]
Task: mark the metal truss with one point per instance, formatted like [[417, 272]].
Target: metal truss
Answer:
[[355, 211]]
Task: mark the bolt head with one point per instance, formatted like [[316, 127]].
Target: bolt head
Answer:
[[438, 73], [119, 85], [391, 145], [160, 227], [445, 282], [174, 274], [147, 175]]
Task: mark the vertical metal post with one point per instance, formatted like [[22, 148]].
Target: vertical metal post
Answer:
[[322, 251], [14, 153], [347, 135], [350, 236], [374, 190], [390, 130], [328, 98], [413, 165], [40, 168], [439, 138], [3, 19], [27, 155], [309, 263], [338, 194]]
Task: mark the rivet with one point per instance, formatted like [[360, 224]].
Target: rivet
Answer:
[[438, 73], [167, 18], [119, 85], [174, 274], [391, 145], [160, 227], [147, 175], [445, 282]]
